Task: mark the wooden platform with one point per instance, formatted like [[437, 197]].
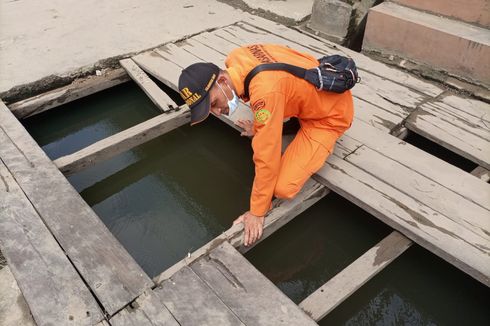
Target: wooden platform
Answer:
[[90, 278]]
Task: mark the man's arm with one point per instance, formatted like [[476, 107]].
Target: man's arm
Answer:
[[268, 118]]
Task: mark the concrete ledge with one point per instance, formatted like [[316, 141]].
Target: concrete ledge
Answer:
[[459, 48], [470, 11]]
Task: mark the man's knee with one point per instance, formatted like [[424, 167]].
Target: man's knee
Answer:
[[286, 190]]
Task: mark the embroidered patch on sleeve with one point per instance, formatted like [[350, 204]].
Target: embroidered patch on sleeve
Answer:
[[262, 116], [259, 104]]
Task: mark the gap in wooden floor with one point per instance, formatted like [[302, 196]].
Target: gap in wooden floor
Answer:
[[439, 151]]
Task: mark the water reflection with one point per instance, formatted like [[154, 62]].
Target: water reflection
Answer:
[[418, 288], [67, 129]]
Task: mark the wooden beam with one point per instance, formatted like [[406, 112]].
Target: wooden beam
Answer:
[[77, 89], [440, 234], [106, 267], [341, 286], [482, 173], [285, 211], [52, 288], [155, 93], [123, 141]]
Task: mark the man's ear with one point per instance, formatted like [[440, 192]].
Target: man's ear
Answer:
[[221, 78]]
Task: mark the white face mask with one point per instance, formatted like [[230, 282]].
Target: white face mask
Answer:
[[233, 103]]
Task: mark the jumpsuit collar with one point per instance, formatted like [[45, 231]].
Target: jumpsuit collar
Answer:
[[237, 80]]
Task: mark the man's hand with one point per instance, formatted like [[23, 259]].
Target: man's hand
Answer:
[[247, 126], [253, 227]]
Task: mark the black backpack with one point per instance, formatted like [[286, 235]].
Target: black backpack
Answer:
[[335, 73]]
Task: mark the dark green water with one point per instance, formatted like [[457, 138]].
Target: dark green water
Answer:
[[175, 193]]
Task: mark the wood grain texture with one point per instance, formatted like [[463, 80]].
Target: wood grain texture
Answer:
[[156, 95], [52, 288], [63, 95], [123, 141], [424, 163], [428, 228], [107, 268], [456, 130], [193, 302], [336, 290], [386, 168], [248, 293]]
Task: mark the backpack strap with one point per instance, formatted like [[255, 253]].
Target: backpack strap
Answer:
[[295, 70]]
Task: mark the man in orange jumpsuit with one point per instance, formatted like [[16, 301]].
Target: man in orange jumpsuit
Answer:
[[274, 97]]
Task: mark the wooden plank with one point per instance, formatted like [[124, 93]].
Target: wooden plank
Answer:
[[155, 93], [478, 109], [146, 310], [431, 167], [350, 279], [155, 310], [470, 146], [203, 52], [465, 122], [77, 89], [363, 62], [482, 173], [122, 141], [445, 109], [467, 214], [248, 293], [177, 55], [103, 323], [13, 307], [192, 302], [165, 71], [53, 290], [131, 317], [284, 211], [219, 44], [107, 268], [375, 116], [428, 228]]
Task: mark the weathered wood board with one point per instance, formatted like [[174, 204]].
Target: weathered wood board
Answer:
[[341, 286], [438, 233], [465, 213], [53, 290], [424, 163], [146, 310], [123, 141], [165, 71], [13, 307], [69, 93], [455, 129], [156, 95], [107, 268], [248, 293], [192, 302], [481, 173]]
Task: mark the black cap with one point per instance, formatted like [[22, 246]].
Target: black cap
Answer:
[[195, 82]]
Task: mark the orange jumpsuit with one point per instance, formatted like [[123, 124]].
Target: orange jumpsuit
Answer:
[[275, 96]]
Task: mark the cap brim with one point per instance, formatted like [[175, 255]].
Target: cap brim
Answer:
[[200, 112]]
